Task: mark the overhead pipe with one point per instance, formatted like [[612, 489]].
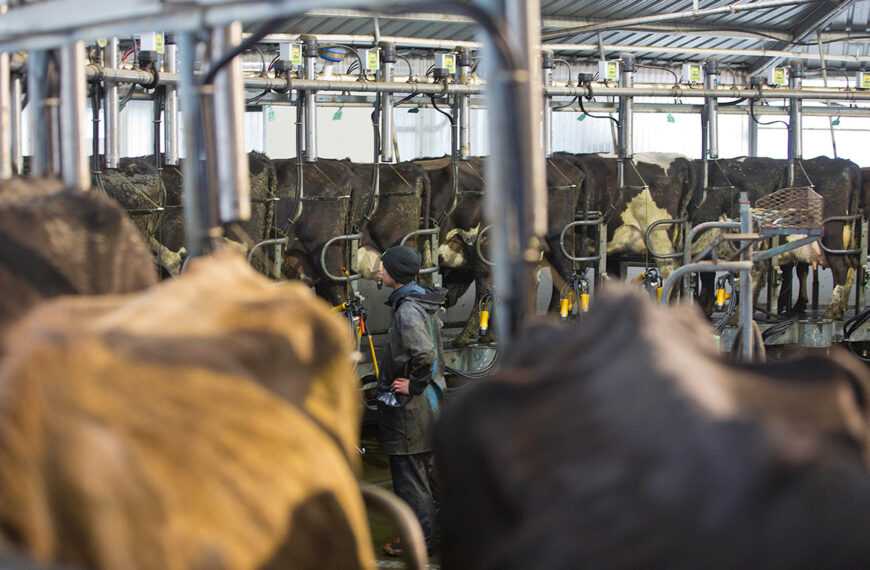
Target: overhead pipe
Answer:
[[5, 118], [112, 108], [309, 52], [233, 182], [73, 94], [95, 73], [795, 121], [464, 66], [547, 65], [15, 129], [170, 130], [388, 61]]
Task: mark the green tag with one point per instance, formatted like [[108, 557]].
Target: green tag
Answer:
[[270, 113], [413, 110], [581, 116], [835, 122], [671, 118], [337, 115]]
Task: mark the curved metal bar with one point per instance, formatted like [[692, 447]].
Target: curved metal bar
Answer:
[[701, 228], [410, 531], [843, 219], [275, 241], [477, 245], [326, 247], [562, 240], [702, 267], [424, 232], [650, 229]]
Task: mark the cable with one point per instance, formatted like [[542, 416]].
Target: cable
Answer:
[[362, 74], [662, 68], [408, 61], [580, 99], [851, 326], [754, 118], [568, 104]]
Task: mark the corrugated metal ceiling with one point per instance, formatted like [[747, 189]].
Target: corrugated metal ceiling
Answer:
[[772, 29]]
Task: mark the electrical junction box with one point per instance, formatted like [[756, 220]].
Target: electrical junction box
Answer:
[[151, 42], [291, 53], [608, 70], [371, 59], [778, 76], [446, 61], [692, 73], [864, 80]]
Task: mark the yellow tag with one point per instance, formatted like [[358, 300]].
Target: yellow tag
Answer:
[[373, 59], [158, 42], [779, 76], [296, 54], [864, 79], [694, 73], [612, 71]]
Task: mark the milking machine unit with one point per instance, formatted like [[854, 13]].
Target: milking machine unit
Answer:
[[575, 293]]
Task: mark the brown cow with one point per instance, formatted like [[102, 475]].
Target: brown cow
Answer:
[[629, 442], [64, 242], [136, 432]]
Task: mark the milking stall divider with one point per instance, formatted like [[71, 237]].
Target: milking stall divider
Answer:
[[520, 90]]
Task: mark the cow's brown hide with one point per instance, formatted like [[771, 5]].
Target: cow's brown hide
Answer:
[[64, 242], [135, 431]]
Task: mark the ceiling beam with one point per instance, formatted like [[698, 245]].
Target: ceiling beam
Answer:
[[816, 19]]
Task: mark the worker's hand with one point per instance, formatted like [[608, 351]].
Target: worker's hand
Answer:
[[400, 386]]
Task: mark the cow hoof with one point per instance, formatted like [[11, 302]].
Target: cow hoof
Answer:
[[462, 340], [834, 314], [800, 307]]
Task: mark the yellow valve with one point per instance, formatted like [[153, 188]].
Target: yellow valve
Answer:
[[720, 297], [564, 306], [340, 308], [658, 293], [484, 322], [584, 302]]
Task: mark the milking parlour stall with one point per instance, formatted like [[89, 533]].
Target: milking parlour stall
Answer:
[[638, 234]]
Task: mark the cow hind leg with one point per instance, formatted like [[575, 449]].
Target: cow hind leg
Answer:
[[843, 278], [803, 271]]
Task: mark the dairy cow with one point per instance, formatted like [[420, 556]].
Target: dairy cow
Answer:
[[615, 445], [209, 422]]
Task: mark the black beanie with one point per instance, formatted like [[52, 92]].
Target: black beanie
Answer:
[[402, 263]]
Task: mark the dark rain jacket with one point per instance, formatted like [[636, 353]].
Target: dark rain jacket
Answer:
[[413, 350]]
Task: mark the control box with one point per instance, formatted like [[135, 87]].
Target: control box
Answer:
[[290, 53], [778, 76], [864, 80], [608, 70], [371, 59], [692, 73], [446, 61], [152, 41]]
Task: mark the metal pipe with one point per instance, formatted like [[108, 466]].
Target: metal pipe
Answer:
[[464, 105], [73, 94], [547, 64], [388, 61], [626, 114], [310, 53], [825, 82], [795, 122], [746, 308], [701, 267], [712, 83], [233, 182], [111, 108], [688, 14], [37, 88], [170, 132], [195, 205], [5, 118], [517, 200], [95, 72], [15, 131]]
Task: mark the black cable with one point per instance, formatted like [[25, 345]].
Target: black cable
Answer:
[[261, 32], [445, 113], [362, 74], [662, 68], [410, 69], [754, 118], [851, 326], [583, 109], [568, 104]]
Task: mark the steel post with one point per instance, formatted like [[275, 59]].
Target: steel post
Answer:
[[170, 132], [233, 182], [388, 61], [746, 309], [795, 122], [40, 138], [547, 64], [626, 113], [310, 53], [195, 200], [73, 94], [111, 108], [464, 105], [5, 118], [516, 200], [15, 132], [711, 80]]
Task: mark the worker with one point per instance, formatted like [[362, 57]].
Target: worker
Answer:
[[411, 387]]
